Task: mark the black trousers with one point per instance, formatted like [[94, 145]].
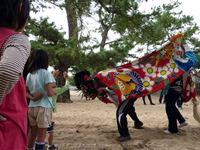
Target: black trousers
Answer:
[[150, 100], [161, 97], [126, 107], [172, 112]]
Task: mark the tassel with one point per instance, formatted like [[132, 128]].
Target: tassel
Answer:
[[196, 113]]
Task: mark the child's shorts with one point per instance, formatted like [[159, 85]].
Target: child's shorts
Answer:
[[40, 116]]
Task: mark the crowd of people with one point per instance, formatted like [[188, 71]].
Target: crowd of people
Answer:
[[41, 92]]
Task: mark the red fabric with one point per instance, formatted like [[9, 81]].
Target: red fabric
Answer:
[[86, 77], [13, 131], [189, 89], [147, 75], [109, 82]]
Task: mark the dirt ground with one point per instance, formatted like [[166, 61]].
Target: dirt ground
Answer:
[[91, 125]]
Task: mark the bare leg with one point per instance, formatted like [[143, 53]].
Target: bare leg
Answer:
[[32, 136], [41, 134]]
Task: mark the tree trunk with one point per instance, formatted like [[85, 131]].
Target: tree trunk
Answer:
[[65, 97], [70, 7]]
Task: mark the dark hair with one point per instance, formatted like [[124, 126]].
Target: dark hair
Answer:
[[27, 64], [39, 60], [14, 13], [79, 78], [87, 86]]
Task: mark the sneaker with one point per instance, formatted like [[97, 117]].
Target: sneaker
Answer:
[[168, 132], [139, 125], [183, 124], [123, 138], [52, 147]]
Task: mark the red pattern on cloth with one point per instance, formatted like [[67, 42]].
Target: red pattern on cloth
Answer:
[[189, 89], [132, 80]]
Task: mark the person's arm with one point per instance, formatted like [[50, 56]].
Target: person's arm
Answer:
[[60, 90], [28, 95], [15, 53], [103, 96], [112, 97], [49, 83], [34, 97], [50, 88], [38, 96]]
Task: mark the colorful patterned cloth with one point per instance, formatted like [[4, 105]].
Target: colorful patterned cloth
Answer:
[[150, 73]]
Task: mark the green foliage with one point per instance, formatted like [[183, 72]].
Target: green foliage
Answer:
[[135, 27], [45, 32]]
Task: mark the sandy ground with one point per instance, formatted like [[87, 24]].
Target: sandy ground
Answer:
[[91, 125]]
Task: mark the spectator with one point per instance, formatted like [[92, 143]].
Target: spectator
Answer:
[[14, 52], [58, 90], [39, 80]]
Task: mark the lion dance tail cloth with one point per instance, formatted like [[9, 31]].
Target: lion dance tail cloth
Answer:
[[152, 72], [191, 93], [149, 74]]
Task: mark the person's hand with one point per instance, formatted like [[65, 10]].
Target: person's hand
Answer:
[[2, 118], [56, 73], [65, 75], [195, 101], [193, 72], [37, 96]]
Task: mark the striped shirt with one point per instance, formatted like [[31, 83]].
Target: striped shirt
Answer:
[[14, 54]]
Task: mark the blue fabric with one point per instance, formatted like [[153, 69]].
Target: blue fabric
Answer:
[[192, 57], [188, 63], [184, 65], [36, 83]]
